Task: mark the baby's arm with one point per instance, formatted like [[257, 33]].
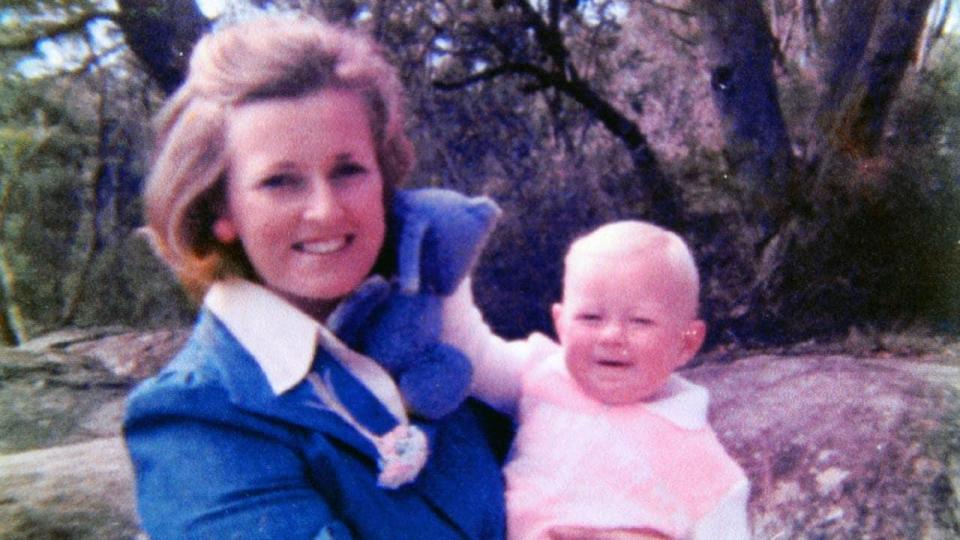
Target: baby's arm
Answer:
[[497, 363]]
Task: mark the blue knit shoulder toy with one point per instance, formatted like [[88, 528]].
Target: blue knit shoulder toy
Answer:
[[398, 324]]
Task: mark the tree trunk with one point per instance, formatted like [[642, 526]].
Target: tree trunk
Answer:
[[89, 229], [741, 54], [935, 31], [849, 34], [874, 44], [11, 325], [8, 336], [162, 34]]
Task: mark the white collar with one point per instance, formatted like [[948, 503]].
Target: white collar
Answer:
[[281, 338], [682, 402]]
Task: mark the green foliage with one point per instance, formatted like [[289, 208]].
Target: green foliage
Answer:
[[882, 243], [66, 227], [877, 246], [871, 241], [130, 286], [41, 153], [68, 26]]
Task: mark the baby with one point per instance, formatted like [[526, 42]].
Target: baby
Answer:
[[612, 443]]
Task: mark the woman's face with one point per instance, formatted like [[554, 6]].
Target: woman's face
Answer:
[[304, 195]]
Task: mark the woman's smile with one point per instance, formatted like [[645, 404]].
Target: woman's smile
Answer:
[[324, 247]]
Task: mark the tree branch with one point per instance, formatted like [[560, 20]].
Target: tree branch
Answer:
[[509, 68], [549, 39], [563, 76], [664, 199], [671, 9], [28, 40], [162, 35], [553, 10]]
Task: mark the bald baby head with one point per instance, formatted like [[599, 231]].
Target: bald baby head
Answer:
[[634, 242]]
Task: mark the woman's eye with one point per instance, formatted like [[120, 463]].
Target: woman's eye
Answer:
[[347, 169], [279, 181]]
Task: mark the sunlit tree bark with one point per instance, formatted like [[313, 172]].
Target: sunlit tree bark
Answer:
[[17, 146], [874, 42], [935, 31]]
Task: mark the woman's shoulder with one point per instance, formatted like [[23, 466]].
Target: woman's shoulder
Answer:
[[193, 377], [179, 389]]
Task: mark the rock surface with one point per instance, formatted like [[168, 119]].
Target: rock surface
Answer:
[[123, 352], [50, 399], [839, 447], [835, 446], [82, 490]]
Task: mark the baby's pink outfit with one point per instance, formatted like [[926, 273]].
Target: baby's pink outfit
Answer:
[[655, 464]]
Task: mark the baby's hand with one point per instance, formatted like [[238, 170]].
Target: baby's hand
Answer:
[[590, 533]]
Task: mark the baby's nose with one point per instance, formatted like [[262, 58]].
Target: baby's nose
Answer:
[[612, 330]]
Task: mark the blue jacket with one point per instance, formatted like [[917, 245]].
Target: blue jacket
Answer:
[[217, 455]]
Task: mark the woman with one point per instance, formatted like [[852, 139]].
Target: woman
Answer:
[[270, 194]]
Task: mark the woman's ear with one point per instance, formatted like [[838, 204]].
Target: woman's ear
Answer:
[[224, 230]]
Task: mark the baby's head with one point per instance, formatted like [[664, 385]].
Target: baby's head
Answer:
[[628, 316]]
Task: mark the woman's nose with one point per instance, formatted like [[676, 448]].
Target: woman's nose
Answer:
[[323, 201]]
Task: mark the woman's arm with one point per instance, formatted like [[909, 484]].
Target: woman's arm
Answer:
[[205, 476]]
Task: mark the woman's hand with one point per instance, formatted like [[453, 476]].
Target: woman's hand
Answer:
[[591, 533]]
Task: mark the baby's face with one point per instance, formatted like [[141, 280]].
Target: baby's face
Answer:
[[625, 325]]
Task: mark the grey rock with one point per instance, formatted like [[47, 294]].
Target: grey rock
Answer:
[[63, 338], [47, 402], [129, 353], [133, 354], [82, 490], [839, 447]]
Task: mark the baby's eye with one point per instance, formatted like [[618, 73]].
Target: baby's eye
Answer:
[[280, 180], [640, 321], [589, 317]]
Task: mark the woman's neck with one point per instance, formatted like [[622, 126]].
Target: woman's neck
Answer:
[[319, 310]]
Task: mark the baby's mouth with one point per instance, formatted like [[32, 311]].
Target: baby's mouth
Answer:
[[608, 362], [323, 247]]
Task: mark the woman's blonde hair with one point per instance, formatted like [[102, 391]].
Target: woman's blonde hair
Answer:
[[265, 58]]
